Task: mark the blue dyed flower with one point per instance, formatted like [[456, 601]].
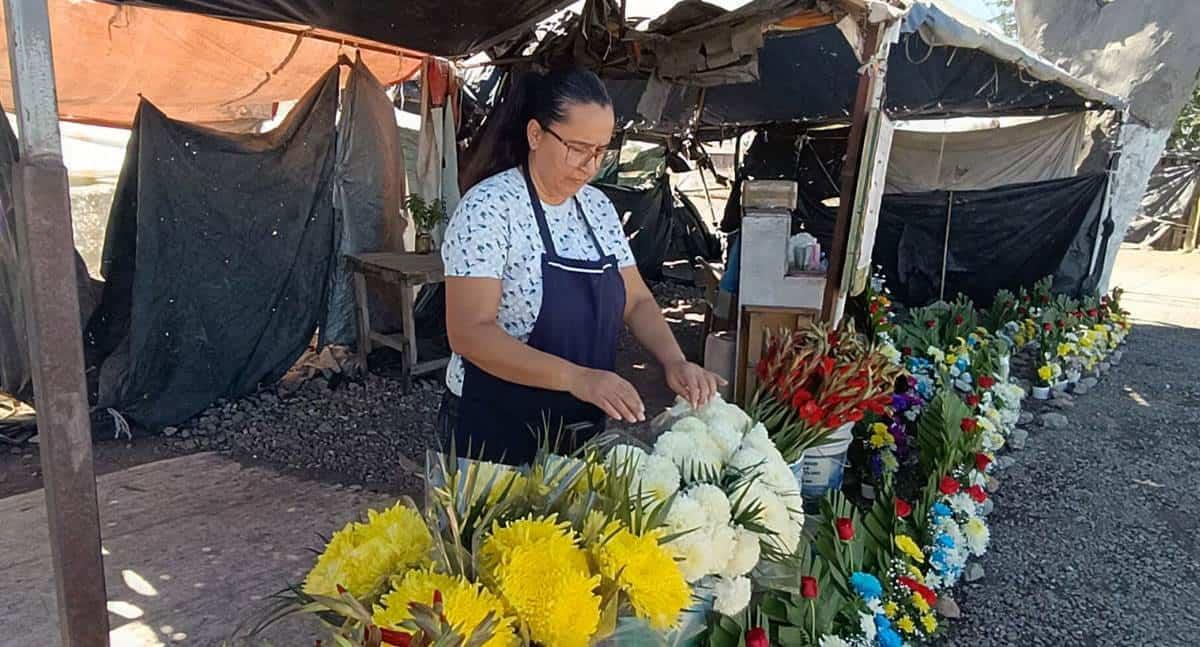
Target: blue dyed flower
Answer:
[[882, 623], [890, 638], [866, 585], [938, 559], [941, 510], [945, 541]]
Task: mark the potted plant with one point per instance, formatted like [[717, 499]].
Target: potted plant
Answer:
[[426, 216], [1046, 375]]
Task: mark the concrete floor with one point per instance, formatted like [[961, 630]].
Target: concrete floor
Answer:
[[195, 544], [193, 547]]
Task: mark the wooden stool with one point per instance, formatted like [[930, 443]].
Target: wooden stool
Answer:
[[406, 271]]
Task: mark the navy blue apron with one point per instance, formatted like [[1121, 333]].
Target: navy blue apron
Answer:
[[582, 314]]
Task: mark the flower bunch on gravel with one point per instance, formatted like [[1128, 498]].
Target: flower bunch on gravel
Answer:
[[957, 524]]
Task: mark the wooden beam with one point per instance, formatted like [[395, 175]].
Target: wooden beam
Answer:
[[849, 181], [48, 282]]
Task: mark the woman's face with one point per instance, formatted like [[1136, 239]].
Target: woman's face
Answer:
[[568, 153]]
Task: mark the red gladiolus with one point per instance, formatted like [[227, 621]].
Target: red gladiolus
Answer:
[[969, 425], [918, 588], [808, 587], [972, 400], [931, 324], [845, 528], [948, 486], [800, 397], [987, 381], [958, 320], [757, 637], [977, 494], [834, 421], [854, 415], [982, 461], [811, 413], [903, 509]]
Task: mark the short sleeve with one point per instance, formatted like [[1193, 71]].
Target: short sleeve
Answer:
[[477, 237], [609, 228]]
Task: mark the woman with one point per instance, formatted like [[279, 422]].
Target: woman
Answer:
[[540, 280]]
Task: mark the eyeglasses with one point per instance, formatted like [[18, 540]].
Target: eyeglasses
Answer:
[[580, 155]]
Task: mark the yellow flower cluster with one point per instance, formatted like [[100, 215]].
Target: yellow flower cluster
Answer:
[[544, 578], [646, 572], [880, 437], [464, 605], [910, 548], [361, 556]]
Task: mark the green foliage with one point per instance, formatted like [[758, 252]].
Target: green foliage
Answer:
[[425, 215], [1186, 135], [941, 442], [1003, 310]]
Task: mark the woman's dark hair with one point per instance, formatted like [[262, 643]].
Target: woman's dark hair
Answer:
[[502, 143]]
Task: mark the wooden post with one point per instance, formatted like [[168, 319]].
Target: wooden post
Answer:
[[48, 282], [1192, 234], [850, 167]]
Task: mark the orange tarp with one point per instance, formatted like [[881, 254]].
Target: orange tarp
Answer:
[[194, 68]]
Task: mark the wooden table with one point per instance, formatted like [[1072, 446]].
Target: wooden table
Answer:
[[406, 271]]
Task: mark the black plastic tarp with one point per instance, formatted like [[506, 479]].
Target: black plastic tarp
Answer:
[[1005, 237], [812, 75], [217, 259], [434, 26], [661, 226], [16, 378], [367, 192], [1168, 205]]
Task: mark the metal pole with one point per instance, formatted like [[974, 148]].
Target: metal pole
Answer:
[[946, 245], [48, 282]]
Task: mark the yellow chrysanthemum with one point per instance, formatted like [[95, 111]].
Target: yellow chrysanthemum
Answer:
[[951, 358], [361, 556], [464, 605], [919, 603], [557, 537], [916, 573], [891, 609], [1065, 349], [929, 623], [1045, 373], [647, 573], [906, 625], [909, 547], [556, 603]]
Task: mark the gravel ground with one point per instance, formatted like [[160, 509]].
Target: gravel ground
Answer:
[[1096, 533]]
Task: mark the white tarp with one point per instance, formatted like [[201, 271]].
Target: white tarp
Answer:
[[1046, 149]]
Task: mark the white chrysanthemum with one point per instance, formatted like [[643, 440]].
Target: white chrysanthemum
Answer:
[[722, 541], [689, 425], [779, 476], [695, 454], [962, 503], [692, 555], [625, 456], [657, 477], [686, 514], [774, 517], [977, 536], [757, 438], [726, 438], [725, 417], [681, 408], [746, 552], [731, 596], [748, 460], [992, 441], [829, 640], [714, 502], [866, 624], [889, 351], [977, 478]]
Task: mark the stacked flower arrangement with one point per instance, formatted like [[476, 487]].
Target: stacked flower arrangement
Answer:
[[554, 554], [735, 501]]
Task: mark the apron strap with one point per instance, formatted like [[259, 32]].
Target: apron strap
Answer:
[[535, 202]]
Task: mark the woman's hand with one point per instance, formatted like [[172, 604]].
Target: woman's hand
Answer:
[[612, 393], [692, 382]]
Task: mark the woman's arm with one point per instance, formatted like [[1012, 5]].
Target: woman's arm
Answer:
[[645, 319], [471, 308]]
